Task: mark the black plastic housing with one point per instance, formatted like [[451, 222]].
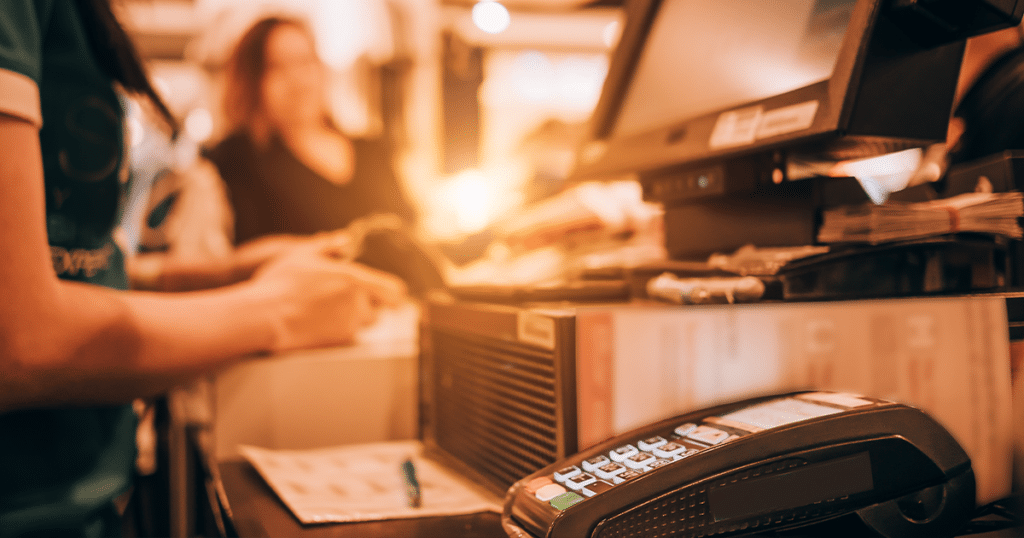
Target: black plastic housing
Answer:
[[786, 472]]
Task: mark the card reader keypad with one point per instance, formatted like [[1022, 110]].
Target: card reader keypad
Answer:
[[594, 463], [600, 473]]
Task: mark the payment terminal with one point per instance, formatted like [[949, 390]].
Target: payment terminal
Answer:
[[756, 466]]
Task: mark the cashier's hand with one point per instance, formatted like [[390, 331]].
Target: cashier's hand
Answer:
[[252, 255], [321, 299]]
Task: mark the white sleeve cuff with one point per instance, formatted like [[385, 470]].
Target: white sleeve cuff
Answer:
[[19, 97]]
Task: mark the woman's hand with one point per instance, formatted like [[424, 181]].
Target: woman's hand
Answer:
[[250, 256], [322, 298]]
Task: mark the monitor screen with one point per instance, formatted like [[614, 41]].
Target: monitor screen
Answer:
[[758, 48], [694, 82], [732, 112], [725, 110]]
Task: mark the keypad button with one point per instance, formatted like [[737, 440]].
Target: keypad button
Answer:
[[622, 453], [566, 473], [640, 460], [684, 429], [628, 475], [651, 443], [709, 435], [597, 487], [610, 470], [549, 492], [666, 450], [686, 454], [577, 482], [566, 500], [533, 485], [658, 463], [592, 464]]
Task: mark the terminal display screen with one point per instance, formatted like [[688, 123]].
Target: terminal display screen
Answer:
[[779, 413]]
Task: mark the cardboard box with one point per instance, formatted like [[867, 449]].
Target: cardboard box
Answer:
[[947, 356]]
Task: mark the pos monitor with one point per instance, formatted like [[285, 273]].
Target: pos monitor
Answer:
[[715, 105]]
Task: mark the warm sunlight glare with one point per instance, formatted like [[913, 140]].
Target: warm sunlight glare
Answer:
[[491, 17], [471, 196], [611, 34]]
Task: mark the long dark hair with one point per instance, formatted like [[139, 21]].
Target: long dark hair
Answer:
[[244, 75], [117, 56]]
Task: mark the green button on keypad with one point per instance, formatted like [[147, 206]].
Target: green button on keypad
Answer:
[[566, 500]]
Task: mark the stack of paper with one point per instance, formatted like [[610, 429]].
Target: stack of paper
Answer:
[[993, 213], [364, 482]]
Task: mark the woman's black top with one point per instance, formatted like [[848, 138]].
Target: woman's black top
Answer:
[[271, 191]]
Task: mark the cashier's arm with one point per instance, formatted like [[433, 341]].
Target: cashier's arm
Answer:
[[66, 343]]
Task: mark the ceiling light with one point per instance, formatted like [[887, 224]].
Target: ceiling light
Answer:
[[491, 17]]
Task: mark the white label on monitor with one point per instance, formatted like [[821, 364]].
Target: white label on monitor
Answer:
[[536, 329], [787, 119], [736, 128]]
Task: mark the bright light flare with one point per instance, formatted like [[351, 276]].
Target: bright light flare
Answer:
[[611, 34], [471, 199], [491, 16], [534, 76], [882, 175], [579, 79]]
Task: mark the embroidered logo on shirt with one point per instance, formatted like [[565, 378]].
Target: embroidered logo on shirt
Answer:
[[80, 261]]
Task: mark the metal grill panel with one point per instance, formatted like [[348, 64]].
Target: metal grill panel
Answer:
[[496, 405]]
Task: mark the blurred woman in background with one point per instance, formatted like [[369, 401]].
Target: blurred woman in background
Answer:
[[289, 169]]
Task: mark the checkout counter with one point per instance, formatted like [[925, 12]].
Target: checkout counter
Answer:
[[317, 406], [733, 166], [355, 394]]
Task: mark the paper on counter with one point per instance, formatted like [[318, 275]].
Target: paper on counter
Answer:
[[363, 482]]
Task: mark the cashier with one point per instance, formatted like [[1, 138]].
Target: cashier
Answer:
[[75, 347]]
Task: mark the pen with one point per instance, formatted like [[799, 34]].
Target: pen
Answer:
[[412, 485]]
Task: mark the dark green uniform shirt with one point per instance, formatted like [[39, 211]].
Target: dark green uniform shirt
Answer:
[[60, 469]]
